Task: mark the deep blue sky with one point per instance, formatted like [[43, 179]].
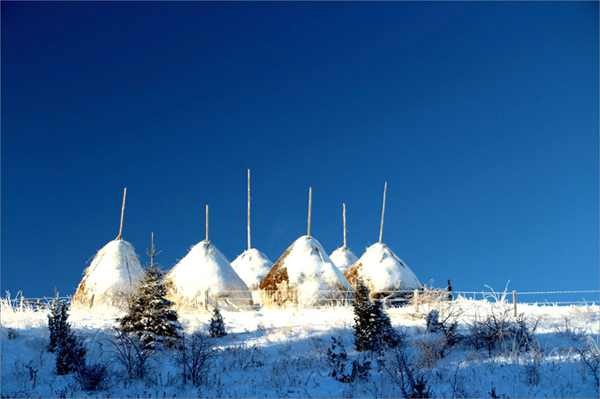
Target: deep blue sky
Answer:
[[481, 116]]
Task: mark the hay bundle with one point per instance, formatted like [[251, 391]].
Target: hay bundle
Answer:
[[304, 275], [206, 269], [113, 275], [252, 266], [382, 271], [343, 258]]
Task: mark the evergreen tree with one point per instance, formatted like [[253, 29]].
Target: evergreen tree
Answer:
[[70, 353], [53, 320], [382, 332], [373, 329], [362, 317], [150, 315], [217, 325]]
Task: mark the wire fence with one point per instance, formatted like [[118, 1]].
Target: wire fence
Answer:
[[240, 300]]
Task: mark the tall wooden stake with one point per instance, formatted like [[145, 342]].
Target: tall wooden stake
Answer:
[[249, 246], [309, 206], [382, 212], [206, 224], [120, 237], [344, 204]]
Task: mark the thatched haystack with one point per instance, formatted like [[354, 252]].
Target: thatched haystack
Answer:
[[304, 276], [252, 266], [205, 269], [343, 258], [382, 271], [113, 275]]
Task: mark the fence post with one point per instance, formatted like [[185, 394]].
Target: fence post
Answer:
[[21, 304], [206, 300], [416, 300], [515, 301], [37, 306]]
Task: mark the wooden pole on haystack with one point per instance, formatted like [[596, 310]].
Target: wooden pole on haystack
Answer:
[[249, 246], [206, 224], [120, 237], [309, 206], [344, 214], [382, 213]]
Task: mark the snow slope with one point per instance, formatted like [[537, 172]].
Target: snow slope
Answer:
[[382, 270], [343, 258], [205, 268], [307, 272], [277, 353], [114, 273]]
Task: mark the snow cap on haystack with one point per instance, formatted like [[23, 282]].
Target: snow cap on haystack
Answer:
[[343, 258], [305, 275], [206, 269], [252, 266], [113, 275], [382, 270]]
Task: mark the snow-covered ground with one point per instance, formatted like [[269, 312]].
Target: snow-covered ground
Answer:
[[283, 353]]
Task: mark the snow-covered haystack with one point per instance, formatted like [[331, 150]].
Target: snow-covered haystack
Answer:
[[382, 271], [206, 269], [252, 266], [343, 258], [304, 275], [114, 274]]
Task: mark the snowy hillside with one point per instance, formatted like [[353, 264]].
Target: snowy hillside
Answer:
[[283, 353]]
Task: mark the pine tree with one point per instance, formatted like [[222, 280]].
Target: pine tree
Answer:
[[362, 317], [150, 315], [373, 329], [53, 319], [382, 332], [217, 325], [70, 353]]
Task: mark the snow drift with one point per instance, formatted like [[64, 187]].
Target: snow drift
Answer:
[[343, 258], [252, 266], [205, 268], [114, 274], [304, 275], [382, 270]]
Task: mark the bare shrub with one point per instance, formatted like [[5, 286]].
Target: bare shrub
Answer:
[[533, 366], [499, 328], [590, 357], [129, 352], [431, 348], [92, 377], [194, 355], [567, 330], [406, 374]]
